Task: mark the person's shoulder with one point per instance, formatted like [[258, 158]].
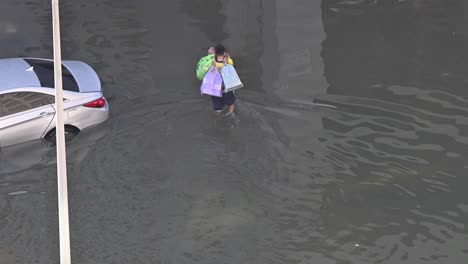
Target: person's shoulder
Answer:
[[230, 61]]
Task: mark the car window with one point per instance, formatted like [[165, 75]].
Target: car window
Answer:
[[50, 98], [13, 103], [45, 73]]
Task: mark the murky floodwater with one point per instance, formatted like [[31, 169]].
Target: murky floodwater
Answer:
[[349, 144]]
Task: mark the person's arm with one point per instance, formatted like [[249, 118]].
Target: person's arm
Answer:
[[227, 59], [211, 51]]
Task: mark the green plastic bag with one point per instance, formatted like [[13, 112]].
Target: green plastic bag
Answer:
[[203, 66]]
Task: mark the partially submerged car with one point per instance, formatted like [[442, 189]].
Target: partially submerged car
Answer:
[[27, 99]]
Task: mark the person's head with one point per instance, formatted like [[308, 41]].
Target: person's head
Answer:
[[220, 50]]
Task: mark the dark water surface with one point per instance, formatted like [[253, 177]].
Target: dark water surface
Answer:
[[349, 144]]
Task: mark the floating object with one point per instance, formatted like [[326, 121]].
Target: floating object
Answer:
[[212, 83], [231, 79]]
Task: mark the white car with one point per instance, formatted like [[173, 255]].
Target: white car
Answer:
[[27, 99]]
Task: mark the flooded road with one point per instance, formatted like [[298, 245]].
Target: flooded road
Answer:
[[349, 144]]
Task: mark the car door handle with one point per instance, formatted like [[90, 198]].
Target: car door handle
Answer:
[[45, 113]]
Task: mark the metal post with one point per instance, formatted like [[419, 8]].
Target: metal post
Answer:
[[64, 228]]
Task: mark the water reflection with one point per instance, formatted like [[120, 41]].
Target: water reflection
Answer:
[[7, 28], [399, 135], [207, 17], [20, 37], [39, 153]]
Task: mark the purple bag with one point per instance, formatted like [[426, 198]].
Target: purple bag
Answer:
[[212, 83]]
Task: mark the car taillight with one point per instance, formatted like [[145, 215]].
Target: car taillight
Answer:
[[99, 103]]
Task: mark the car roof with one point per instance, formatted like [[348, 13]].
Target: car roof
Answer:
[[15, 73], [33, 72]]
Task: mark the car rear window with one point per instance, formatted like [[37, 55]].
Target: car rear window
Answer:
[[45, 73]]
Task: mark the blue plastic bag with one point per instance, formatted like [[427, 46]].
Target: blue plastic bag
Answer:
[[230, 78], [212, 83]]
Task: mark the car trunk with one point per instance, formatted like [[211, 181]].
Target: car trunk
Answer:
[[87, 79]]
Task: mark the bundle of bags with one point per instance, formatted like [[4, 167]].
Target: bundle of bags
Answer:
[[213, 79]]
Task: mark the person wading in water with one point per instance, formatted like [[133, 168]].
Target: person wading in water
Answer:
[[221, 57]]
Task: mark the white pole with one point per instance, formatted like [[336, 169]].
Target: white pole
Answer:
[[64, 228]]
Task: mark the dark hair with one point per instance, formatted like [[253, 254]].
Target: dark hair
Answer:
[[220, 49]]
